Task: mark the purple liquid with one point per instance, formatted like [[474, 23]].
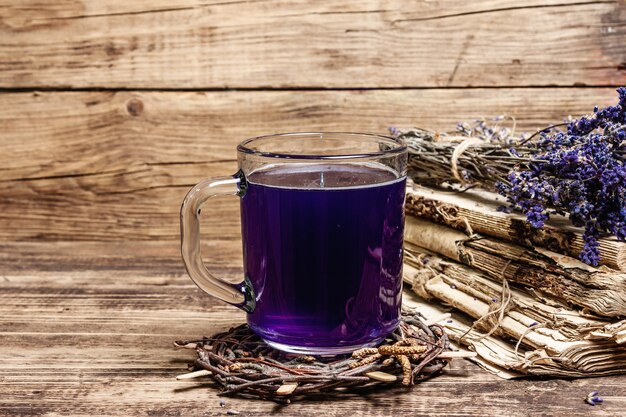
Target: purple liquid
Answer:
[[323, 251]]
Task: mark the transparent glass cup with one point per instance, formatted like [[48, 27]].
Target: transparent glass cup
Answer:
[[322, 220]]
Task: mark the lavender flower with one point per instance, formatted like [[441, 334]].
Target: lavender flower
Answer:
[[579, 172], [482, 130], [593, 398]]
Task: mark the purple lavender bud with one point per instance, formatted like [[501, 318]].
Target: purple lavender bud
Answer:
[[593, 398], [580, 172], [513, 152]]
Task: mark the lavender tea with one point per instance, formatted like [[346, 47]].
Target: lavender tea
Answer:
[[323, 251]]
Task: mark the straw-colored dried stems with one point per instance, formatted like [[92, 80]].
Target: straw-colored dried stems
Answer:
[[476, 211], [600, 290]]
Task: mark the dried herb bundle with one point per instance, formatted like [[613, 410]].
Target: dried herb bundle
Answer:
[[435, 158], [579, 171], [476, 211], [241, 363], [513, 332], [601, 291]]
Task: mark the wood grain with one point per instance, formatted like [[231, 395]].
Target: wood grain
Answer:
[[111, 166], [94, 293], [324, 44], [86, 328]]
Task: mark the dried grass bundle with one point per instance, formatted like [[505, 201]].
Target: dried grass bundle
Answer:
[[601, 291], [513, 332]]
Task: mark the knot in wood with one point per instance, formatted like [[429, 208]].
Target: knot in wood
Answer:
[[134, 107]]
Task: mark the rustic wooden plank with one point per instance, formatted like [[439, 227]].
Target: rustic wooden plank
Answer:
[[141, 258], [277, 44], [83, 344], [151, 392], [110, 166]]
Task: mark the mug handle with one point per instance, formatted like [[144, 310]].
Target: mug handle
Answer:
[[239, 295]]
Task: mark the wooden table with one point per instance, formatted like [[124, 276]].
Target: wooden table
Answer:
[[86, 328], [111, 110]]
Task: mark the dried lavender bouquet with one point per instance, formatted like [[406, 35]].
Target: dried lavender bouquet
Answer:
[[577, 171]]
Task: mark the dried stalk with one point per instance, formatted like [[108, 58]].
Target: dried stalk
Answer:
[[566, 172], [434, 160], [566, 279], [476, 211], [240, 362], [534, 336]]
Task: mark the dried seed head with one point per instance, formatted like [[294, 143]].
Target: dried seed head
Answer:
[[234, 367], [402, 350], [366, 361], [361, 353], [406, 369]]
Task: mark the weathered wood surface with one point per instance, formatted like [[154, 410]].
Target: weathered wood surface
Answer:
[[110, 166], [322, 44], [86, 328]]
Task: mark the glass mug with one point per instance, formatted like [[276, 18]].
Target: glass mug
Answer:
[[322, 220]]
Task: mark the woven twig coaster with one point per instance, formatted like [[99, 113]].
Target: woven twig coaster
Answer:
[[241, 363]]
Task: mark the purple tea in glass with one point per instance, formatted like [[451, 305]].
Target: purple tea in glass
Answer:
[[322, 219]]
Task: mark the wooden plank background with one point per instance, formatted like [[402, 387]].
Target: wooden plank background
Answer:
[[160, 102], [314, 44], [116, 165], [111, 110]]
